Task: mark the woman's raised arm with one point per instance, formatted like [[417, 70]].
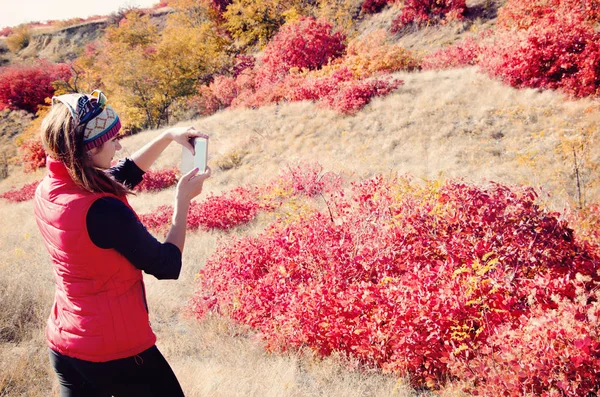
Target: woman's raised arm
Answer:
[[147, 155]]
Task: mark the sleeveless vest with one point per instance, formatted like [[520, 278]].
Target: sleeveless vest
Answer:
[[99, 312]]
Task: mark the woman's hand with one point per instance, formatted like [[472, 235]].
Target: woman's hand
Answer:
[[184, 135], [190, 185]]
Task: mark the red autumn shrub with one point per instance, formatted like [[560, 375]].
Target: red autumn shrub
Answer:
[[6, 31], [242, 63], [220, 5], [428, 11], [33, 155], [222, 212], [205, 101], [24, 193], [27, 86], [306, 44], [155, 180], [373, 6], [561, 53], [522, 14], [415, 280], [224, 90], [309, 179], [458, 55], [550, 353], [354, 96]]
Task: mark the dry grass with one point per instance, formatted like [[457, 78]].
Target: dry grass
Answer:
[[445, 124]]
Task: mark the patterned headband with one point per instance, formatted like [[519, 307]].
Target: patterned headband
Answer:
[[99, 119]]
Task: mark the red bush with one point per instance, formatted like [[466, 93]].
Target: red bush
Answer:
[[373, 6], [355, 95], [155, 180], [420, 281], [33, 155], [223, 212], [6, 31], [27, 86], [428, 11], [309, 179], [522, 14], [306, 44], [462, 54], [242, 63], [561, 53], [220, 5], [24, 193]]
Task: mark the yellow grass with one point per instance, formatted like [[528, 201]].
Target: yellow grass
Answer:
[[438, 125]]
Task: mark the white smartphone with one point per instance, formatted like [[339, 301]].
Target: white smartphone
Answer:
[[189, 161]]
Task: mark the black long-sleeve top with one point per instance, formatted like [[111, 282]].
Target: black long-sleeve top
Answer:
[[111, 224]]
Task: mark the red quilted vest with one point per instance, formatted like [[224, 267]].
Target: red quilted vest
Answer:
[[99, 312]]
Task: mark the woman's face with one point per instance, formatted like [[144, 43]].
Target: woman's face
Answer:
[[102, 156]]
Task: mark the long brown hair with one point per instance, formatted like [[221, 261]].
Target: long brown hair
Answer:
[[63, 141]]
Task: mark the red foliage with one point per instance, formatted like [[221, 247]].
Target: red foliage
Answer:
[[6, 31], [24, 193], [340, 91], [428, 11], [354, 96], [373, 6], [523, 14], [306, 44], [155, 180], [225, 90], [423, 281], [223, 212], [27, 86], [559, 52], [33, 155], [220, 5], [309, 179], [242, 63], [462, 54]]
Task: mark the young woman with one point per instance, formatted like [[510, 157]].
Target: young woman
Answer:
[[98, 332]]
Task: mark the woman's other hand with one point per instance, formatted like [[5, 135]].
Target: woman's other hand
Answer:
[[184, 136], [190, 184]]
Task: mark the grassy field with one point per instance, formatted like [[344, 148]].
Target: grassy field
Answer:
[[451, 124]]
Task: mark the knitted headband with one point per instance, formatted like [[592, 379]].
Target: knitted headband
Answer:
[[99, 120]]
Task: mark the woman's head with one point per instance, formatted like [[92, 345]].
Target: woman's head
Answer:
[[80, 131]]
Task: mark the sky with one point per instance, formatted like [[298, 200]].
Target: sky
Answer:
[[15, 12]]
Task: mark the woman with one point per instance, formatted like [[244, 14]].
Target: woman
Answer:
[[100, 339]]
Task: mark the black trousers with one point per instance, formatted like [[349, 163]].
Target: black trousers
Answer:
[[146, 374]]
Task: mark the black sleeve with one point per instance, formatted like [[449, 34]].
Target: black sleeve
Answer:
[[127, 172], [111, 224]]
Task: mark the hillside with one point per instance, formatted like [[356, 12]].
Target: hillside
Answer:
[[439, 125], [455, 126]]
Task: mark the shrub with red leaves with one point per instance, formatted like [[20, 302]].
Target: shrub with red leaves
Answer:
[[373, 6], [24, 193], [223, 212], [309, 179], [306, 44], [458, 55], [558, 52], [434, 282], [33, 155], [6, 31], [423, 12], [27, 86], [522, 14], [242, 63], [220, 5], [155, 180], [354, 96]]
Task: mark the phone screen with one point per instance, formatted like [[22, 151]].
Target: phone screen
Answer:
[[201, 147], [189, 161]]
